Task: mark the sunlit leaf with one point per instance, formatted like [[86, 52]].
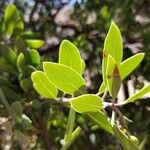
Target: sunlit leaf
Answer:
[[138, 95], [86, 103], [112, 46], [83, 66], [26, 123], [42, 85], [12, 19], [30, 34], [69, 55], [127, 66], [101, 119], [20, 62], [102, 88], [34, 43], [113, 77], [34, 57], [64, 78], [113, 43]]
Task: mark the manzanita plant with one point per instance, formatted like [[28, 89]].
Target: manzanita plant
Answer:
[[61, 82], [67, 76]]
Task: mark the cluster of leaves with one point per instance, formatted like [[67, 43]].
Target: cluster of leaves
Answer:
[[61, 82], [18, 59], [66, 76]]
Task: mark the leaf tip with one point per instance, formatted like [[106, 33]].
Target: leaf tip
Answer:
[[113, 25], [142, 54]]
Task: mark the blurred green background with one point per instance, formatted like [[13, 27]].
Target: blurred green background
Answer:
[[85, 23]]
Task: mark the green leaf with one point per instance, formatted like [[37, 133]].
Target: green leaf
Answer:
[[11, 56], [138, 95], [26, 84], [113, 77], [26, 123], [112, 46], [74, 136], [113, 43], [83, 66], [64, 78], [42, 85], [30, 34], [102, 88], [34, 57], [125, 141], [20, 62], [69, 55], [101, 119], [12, 19], [70, 125], [127, 66], [86, 103], [34, 43], [8, 54], [16, 109]]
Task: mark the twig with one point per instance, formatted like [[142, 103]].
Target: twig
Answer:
[[121, 116], [104, 95], [75, 134], [70, 125]]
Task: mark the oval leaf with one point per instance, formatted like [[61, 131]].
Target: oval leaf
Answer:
[[20, 62], [113, 43], [12, 19], [26, 84], [127, 66], [69, 55], [34, 57], [8, 54], [112, 46], [64, 78], [113, 77], [101, 119], [138, 95], [86, 103], [42, 85], [33, 43]]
